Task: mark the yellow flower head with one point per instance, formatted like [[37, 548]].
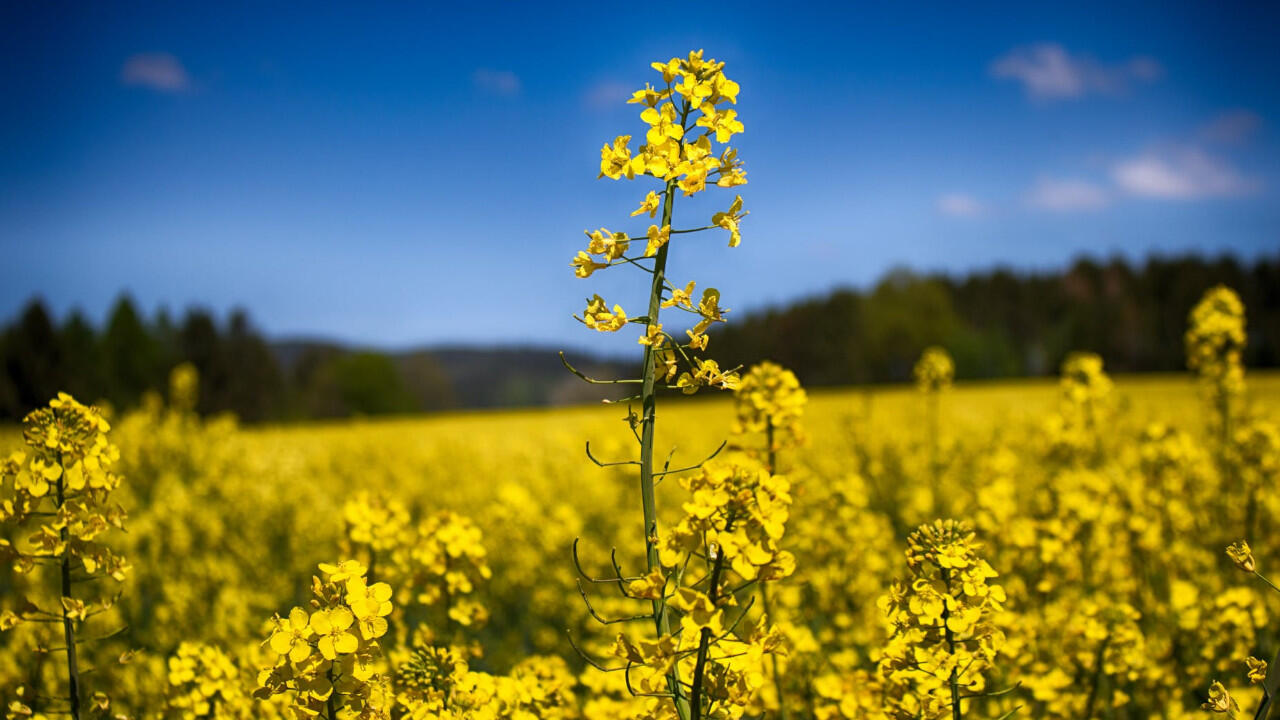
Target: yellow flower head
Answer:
[[1083, 378], [663, 124], [1220, 701], [184, 387], [1215, 339], [934, 370], [653, 336], [770, 398], [729, 221], [724, 123], [583, 265], [682, 298], [598, 317], [648, 205], [657, 238], [332, 630], [290, 636], [615, 160], [649, 96], [1257, 669], [1242, 556]]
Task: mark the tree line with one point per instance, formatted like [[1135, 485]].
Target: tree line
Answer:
[[998, 323], [240, 371], [1003, 323]]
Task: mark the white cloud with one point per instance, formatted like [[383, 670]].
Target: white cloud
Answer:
[[1049, 72], [606, 95], [959, 205], [1231, 127], [1067, 195], [1180, 173], [498, 82], [158, 71]]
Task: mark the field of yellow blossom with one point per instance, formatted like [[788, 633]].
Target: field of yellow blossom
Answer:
[[1120, 599]]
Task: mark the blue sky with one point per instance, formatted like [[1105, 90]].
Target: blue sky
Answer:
[[393, 175]]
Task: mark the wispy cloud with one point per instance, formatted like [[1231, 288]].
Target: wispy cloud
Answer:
[[606, 95], [1065, 195], [960, 205], [161, 72], [503, 83], [1183, 173], [1231, 127], [1048, 72]]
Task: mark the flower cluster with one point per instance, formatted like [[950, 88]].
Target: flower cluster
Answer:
[[438, 684], [1254, 456], [205, 683], [944, 634], [670, 153], [1072, 434], [184, 387], [376, 525], [330, 658], [686, 115], [770, 401], [934, 371], [739, 511], [1215, 340], [1084, 383], [444, 565], [62, 484], [733, 521]]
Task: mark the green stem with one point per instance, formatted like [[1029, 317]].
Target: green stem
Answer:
[[704, 641], [1224, 416], [68, 625], [333, 691], [777, 675], [35, 680], [1097, 677], [648, 400], [764, 593], [935, 449], [954, 680], [1265, 580]]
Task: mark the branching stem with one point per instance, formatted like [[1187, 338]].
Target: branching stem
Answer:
[[648, 402], [68, 624], [954, 679]]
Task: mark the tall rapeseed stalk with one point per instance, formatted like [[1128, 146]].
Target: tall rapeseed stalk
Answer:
[[934, 372], [687, 115], [1215, 341]]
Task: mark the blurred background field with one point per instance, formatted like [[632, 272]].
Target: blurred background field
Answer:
[[228, 523]]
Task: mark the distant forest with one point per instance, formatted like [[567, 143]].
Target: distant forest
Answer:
[[1007, 324], [996, 324]]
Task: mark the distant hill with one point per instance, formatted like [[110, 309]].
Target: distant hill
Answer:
[[475, 376]]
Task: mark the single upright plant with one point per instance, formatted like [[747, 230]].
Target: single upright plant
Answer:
[[1084, 403], [934, 372], [63, 482], [687, 115], [944, 635], [1215, 341], [770, 402]]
